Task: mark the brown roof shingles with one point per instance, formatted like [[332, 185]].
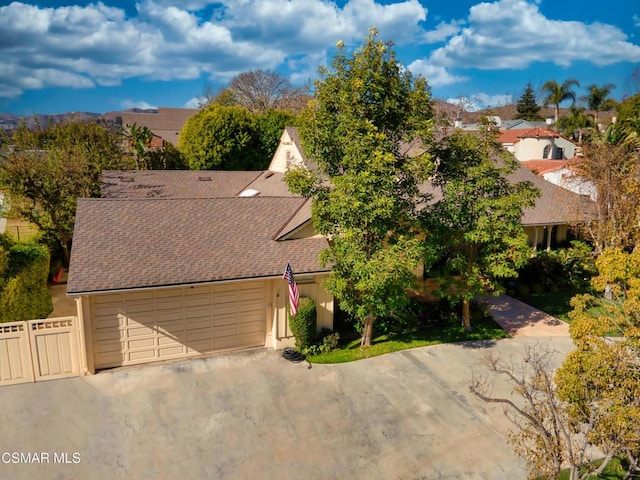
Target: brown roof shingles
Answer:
[[174, 183], [127, 244]]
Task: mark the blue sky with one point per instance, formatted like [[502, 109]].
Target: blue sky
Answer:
[[60, 56]]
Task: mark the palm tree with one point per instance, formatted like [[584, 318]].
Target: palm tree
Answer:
[[556, 94], [138, 139], [598, 99], [576, 122]]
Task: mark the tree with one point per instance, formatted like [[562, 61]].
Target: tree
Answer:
[[598, 99], [365, 191], [261, 90], [527, 106], [545, 435], [556, 94], [600, 375], [474, 228], [138, 140], [576, 122], [232, 138], [53, 167], [219, 138], [613, 171], [627, 127]]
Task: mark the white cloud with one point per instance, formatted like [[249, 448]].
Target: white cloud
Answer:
[[437, 76], [636, 20], [513, 34], [81, 46], [137, 104], [442, 32], [192, 103], [480, 101]]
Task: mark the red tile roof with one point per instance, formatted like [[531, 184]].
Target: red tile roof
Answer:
[[544, 166], [514, 135]]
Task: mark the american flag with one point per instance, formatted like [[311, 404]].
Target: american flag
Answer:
[[294, 295]]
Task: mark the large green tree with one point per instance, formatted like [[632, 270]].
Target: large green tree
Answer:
[[232, 138], [51, 168], [365, 190], [556, 93], [527, 106], [474, 226]]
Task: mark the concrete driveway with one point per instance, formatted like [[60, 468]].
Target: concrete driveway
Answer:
[[254, 415]]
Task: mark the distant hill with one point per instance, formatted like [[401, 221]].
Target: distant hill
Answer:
[[10, 122]]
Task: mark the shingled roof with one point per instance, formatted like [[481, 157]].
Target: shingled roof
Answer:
[[130, 244], [175, 183]]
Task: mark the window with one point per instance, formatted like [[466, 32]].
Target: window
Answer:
[[559, 153], [546, 151]]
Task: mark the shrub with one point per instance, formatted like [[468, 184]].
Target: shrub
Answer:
[[23, 290], [303, 325]]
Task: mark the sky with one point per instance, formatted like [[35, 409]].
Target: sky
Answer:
[[64, 56]]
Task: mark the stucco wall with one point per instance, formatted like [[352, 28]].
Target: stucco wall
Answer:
[[533, 148], [308, 286], [286, 153]]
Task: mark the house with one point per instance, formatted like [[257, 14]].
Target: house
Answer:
[[173, 264], [537, 143], [165, 123], [564, 174]]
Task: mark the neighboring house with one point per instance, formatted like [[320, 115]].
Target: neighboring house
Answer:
[[537, 143], [551, 221], [563, 174], [173, 264], [503, 124], [164, 123]]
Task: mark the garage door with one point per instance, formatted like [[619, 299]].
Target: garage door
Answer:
[[140, 327]]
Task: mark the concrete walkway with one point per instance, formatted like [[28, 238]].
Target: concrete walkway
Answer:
[[63, 306], [522, 320]]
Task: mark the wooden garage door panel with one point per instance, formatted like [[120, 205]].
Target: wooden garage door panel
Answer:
[[198, 324], [141, 343], [139, 327]]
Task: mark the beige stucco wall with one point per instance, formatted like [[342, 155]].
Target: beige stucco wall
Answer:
[[568, 179], [279, 335], [533, 148]]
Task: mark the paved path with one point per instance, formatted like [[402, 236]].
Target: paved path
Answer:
[[522, 320], [63, 306]]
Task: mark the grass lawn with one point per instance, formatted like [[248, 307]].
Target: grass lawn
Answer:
[[554, 303], [484, 328], [558, 303], [616, 470]]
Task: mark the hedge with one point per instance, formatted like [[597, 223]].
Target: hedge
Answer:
[[23, 284], [303, 325]]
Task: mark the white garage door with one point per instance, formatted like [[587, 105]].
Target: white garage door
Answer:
[[140, 327]]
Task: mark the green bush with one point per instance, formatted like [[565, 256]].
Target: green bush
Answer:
[[555, 270], [23, 288], [303, 325]]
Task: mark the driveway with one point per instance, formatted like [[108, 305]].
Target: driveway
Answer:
[[254, 415]]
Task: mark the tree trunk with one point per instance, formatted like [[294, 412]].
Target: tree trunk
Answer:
[[466, 315], [367, 332]]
